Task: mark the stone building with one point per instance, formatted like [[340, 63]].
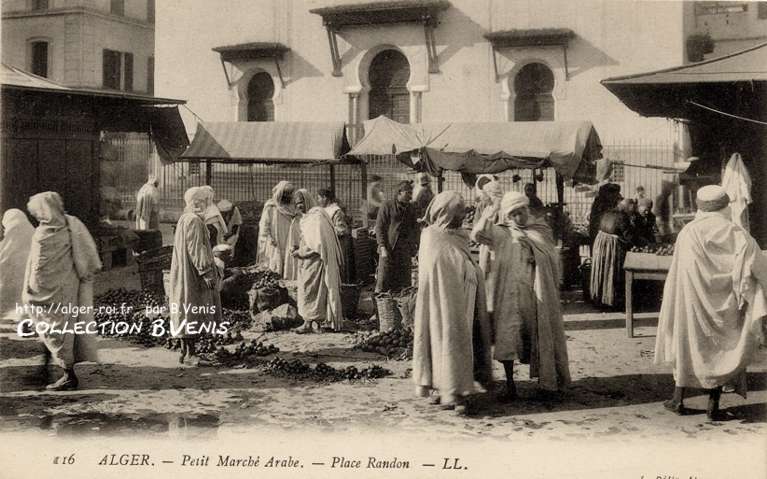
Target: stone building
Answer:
[[99, 44]]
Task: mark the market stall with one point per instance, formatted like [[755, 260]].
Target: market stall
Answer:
[[571, 148], [724, 103]]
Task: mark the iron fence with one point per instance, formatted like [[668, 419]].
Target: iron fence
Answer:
[[245, 182]]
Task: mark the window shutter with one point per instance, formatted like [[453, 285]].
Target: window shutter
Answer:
[[150, 75], [128, 72], [111, 69]]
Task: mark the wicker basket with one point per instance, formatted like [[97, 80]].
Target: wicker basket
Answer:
[[151, 265], [406, 306], [350, 298], [388, 312]]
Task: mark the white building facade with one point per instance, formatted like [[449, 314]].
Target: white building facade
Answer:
[[453, 70]]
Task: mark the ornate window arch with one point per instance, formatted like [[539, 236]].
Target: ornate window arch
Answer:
[[534, 93], [388, 77], [259, 94]]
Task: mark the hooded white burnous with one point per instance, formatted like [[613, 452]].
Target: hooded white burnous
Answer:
[[192, 302], [63, 261], [451, 298], [714, 299], [148, 205], [14, 251], [319, 277]]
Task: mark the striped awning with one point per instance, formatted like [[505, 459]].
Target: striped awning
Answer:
[[268, 142]]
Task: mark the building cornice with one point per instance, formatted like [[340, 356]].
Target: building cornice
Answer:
[[78, 11]]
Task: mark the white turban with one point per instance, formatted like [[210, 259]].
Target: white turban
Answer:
[[712, 198], [511, 201], [225, 206], [193, 195]]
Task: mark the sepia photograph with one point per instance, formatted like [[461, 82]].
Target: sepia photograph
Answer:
[[383, 238]]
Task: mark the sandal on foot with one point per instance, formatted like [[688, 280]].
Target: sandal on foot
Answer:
[[675, 407], [435, 400], [63, 384]]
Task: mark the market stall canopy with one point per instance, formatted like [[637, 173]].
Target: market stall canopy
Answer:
[[669, 92], [111, 110], [491, 147], [268, 142]]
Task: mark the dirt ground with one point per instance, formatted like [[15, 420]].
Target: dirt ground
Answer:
[[616, 392]]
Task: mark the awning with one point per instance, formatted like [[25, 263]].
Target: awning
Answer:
[[372, 13], [268, 142], [475, 148], [251, 51], [12, 78], [715, 83], [425, 12], [530, 37]]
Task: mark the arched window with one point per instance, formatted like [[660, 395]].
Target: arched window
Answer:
[[389, 73], [533, 100], [260, 93]]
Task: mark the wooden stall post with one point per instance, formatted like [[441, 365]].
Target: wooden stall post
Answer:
[[208, 172], [440, 182], [332, 178], [561, 206]]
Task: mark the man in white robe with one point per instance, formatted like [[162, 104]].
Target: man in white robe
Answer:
[[148, 205], [327, 200], [526, 310], [277, 234], [193, 274], [63, 261], [714, 304], [16, 240], [451, 332], [319, 278]]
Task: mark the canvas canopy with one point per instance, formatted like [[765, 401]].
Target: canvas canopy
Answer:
[[491, 147], [268, 142], [717, 82]]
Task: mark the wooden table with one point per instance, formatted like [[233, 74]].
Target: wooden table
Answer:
[[642, 266]]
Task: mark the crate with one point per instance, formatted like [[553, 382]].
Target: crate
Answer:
[[155, 259], [151, 265]]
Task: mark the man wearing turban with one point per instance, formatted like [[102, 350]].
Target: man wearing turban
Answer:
[[525, 308], [193, 274], [148, 205], [714, 304]]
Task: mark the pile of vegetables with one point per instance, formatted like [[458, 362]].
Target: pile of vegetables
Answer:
[[660, 249], [322, 372], [394, 344]]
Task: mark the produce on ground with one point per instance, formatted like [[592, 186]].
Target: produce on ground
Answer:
[[298, 369], [144, 307], [394, 344]]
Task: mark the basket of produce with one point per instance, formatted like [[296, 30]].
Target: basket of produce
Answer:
[[406, 305], [389, 316], [350, 298]]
